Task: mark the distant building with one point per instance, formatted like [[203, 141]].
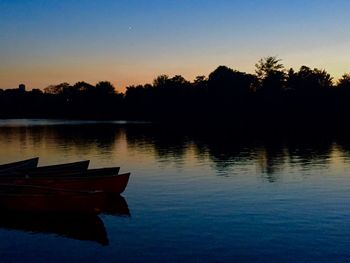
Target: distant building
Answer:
[[22, 87]]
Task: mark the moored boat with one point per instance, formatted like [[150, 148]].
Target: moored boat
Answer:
[[20, 165], [58, 169], [11, 178], [83, 173], [62, 189], [113, 184], [41, 199], [72, 167]]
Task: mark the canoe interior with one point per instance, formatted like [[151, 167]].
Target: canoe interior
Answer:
[[20, 165], [75, 166], [60, 173]]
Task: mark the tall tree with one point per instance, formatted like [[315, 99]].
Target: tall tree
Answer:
[[271, 75], [226, 82], [308, 80]]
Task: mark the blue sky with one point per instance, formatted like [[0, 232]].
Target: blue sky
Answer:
[[131, 42]]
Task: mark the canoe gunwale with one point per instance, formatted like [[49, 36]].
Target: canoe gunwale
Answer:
[[20, 165]]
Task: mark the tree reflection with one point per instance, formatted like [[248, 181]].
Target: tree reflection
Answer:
[[227, 149], [270, 153], [165, 143], [73, 226]]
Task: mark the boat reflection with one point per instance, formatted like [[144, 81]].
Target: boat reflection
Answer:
[[115, 204], [83, 227]]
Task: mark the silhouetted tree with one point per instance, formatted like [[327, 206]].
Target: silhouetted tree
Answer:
[[83, 86], [105, 88], [36, 92], [344, 81], [271, 75], [57, 89], [272, 94], [225, 82], [161, 81], [309, 81], [200, 82]]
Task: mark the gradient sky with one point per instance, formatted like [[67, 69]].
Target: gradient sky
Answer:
[[45, 42]]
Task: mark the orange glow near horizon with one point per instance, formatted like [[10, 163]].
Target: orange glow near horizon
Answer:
[[34, 79]]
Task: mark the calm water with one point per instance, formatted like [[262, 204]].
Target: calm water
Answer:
[[191, 198]]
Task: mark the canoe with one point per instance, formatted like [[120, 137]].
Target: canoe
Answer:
[[58, 169], [40, 199], [83, 173], [11, 177], [21, 165], [103, 179], [112, 184], [72, 167]]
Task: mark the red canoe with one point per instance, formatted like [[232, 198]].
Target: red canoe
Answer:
[[45, 200], [36, 199], [113, 184]]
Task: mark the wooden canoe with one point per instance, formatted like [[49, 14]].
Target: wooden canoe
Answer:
[[58, 169], [39, 199], [84, 173], [9, 177], [72, 167], [96, 181], [21, 165]]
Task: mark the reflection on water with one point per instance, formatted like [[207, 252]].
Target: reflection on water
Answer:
[[224, 150], [86, 227], [80, 227], [195, 194], [106, 144]]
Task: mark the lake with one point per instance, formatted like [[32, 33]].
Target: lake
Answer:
[[193, 196]]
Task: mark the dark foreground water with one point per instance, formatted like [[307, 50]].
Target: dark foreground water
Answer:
[[192, 197]]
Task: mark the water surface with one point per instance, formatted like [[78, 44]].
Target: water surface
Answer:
[[192, 197]]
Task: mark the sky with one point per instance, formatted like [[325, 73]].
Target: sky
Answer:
[[130, 42]]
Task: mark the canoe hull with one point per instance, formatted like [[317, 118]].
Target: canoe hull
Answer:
[[16, 198], [21, 165], [68, 203], [114, 184]]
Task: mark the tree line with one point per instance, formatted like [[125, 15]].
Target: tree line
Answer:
[[273, 94]]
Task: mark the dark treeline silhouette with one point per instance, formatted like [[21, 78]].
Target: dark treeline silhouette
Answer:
[[82, 100], [272, 95]]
